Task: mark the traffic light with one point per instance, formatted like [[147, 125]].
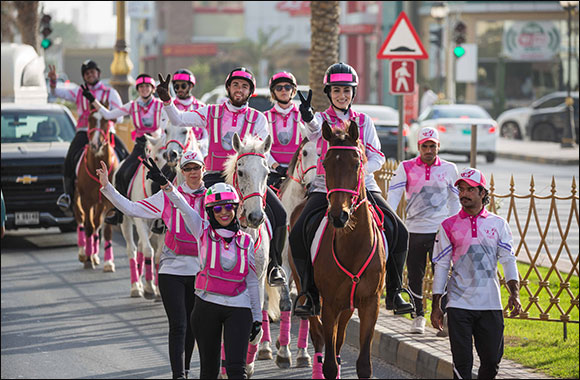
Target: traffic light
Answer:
[[45, 30], [436, 37], [459, 38]]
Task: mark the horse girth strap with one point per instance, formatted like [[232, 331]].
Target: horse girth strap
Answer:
[[356, 277]]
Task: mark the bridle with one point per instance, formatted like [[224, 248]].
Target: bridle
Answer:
[[184, 147], [237, 185], [301, 172], [355, 194]]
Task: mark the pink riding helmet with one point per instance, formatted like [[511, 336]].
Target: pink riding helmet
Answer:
[[282, 76], [242, 73]]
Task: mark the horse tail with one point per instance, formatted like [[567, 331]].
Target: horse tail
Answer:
[[273, 302]]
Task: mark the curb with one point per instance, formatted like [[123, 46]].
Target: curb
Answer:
[[539, 160]]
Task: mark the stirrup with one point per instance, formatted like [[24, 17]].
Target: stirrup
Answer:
[[411, 302], [303, 313], [279, 282], [63, 202]]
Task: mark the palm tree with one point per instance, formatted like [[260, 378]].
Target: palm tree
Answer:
[[324, 22], [27, 21]]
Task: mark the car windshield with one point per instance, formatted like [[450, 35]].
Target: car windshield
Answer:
[[36, 126], [457, 113]]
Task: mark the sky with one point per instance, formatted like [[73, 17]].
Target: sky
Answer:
[[101, 14]]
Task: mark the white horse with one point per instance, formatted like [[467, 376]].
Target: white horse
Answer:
[[165, 150], [247, 171], [301, 172]]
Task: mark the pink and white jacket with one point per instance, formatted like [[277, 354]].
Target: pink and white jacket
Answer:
[[472, 245], [285, 130], [101, 92], [145, 117], [430, 191], [368, 137], [221, 121]]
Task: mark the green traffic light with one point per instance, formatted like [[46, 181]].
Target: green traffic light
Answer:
[[459, 51], [46, 43]]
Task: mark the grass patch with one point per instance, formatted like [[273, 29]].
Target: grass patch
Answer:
[[540, 344]]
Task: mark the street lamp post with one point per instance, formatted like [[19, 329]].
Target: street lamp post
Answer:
[[568, 137], [439, 12], [121, 65]]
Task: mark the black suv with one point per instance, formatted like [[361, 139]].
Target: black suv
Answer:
[[547, 122], [35, 140]]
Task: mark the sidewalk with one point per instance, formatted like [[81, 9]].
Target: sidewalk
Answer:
[[538, 152], [424, 356]]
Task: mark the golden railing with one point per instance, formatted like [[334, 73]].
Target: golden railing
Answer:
[[542, 239]]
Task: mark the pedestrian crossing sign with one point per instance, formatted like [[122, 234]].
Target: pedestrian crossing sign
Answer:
[[402, 75], [402, 42]]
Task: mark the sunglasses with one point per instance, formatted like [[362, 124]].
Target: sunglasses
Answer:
[[286, 87], [190, 168], [182, 86], [227, 207]]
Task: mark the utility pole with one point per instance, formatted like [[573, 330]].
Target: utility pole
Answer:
[[122, 65]]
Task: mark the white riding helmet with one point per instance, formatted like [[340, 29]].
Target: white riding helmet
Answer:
[[221, 193]]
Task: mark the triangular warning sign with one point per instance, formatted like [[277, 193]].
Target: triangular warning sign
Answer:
[[402, 42]]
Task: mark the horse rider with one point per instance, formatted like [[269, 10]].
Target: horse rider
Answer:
[[91, 75], [226, 287], [183, 83], [340, 83], [179, 262], [222, 121], [427, 182], [145, 114]]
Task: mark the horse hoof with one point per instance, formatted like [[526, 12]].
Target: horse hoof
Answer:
[[96, 259], [89, 264], [225, 376], [109, 266], [82, 257], [283, 362], [136, 291], [250, 370], [303, 362], [149, 290], [265, 354]]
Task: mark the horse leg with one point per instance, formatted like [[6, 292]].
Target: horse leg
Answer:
[[343, 319], [284, 355], [303, 358], [147, 249], [317, 336], [265, 350], [88, 225], [127, 230], [329, 326], [368, 313], [109, 265], [223, 374], [80, 217]]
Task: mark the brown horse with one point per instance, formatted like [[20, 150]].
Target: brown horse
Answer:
[[349, 270], [89, 203]]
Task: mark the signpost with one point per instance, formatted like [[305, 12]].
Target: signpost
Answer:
[[403, 47]]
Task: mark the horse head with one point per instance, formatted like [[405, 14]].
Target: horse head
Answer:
[[344, 166], [178, 140], [98, 133], [247, 171]]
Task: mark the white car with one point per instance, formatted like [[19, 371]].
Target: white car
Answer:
[[453, 122]]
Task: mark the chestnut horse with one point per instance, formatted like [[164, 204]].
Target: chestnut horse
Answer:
[[89, 203], [349, 269]]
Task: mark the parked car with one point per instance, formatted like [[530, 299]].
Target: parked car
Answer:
[[513, 122], [259, 100], [549, 123], [453, 121], [35, 140], [386, 121]]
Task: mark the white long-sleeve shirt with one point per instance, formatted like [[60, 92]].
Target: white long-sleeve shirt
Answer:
[[430, 191], [472, 245], [250, 297]]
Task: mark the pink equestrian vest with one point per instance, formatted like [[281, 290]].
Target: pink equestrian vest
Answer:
[[213, 278], [177, 237], [152, 110], [334, 122], [197, 131], [286, 138], [84, 107], [221, 124]]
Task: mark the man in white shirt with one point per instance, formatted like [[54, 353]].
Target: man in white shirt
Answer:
[[428, 98], [472, 242]]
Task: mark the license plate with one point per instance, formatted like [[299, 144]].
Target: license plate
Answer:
[[27, 218]]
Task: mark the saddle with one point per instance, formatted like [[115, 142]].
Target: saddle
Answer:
[[311, 224]]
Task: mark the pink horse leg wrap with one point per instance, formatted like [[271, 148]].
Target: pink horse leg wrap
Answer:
[[223, 359], [338, 362], [148, 270], [265, 327], [80, 236], [96, 244], [303, 333], [285, 328], [140, 259], [108, 250], [133, 271], [89, 246], [317, 366], [251, 357]]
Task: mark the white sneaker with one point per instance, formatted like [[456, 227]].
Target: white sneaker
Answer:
[[418, 326]]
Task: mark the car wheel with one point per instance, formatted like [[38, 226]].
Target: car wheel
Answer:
[[544, 132], [510, 130], [490, 157]]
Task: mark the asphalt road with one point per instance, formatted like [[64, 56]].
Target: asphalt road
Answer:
[[62, 321]]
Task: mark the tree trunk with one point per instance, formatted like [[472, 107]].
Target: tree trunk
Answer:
[[7, 22], [27, 21], [324, 27]]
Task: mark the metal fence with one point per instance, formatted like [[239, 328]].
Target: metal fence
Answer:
[[546, 237]]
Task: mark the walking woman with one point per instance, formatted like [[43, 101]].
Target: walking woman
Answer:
[[179, 261], [226, 287]]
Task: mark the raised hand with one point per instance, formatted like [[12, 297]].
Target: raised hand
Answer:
[[154, 173], [52, 73], [163, 88], [103, 174], [87, 93], [305, 107]]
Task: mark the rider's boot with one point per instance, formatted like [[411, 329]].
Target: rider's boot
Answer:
[[64, 201], [275, 273], [158, 226], [312, 305], [394, 301], [114, 217]]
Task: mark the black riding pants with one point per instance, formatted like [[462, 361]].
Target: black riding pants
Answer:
[[129, 166], [486, 327], [177, 293], [300, 250], [420, 245], [208, 321]]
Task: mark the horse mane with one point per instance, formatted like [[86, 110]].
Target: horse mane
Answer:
[[248, 145], [292, 164]]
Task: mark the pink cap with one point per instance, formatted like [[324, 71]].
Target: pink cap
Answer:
[[427, 134], [472, 176]]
